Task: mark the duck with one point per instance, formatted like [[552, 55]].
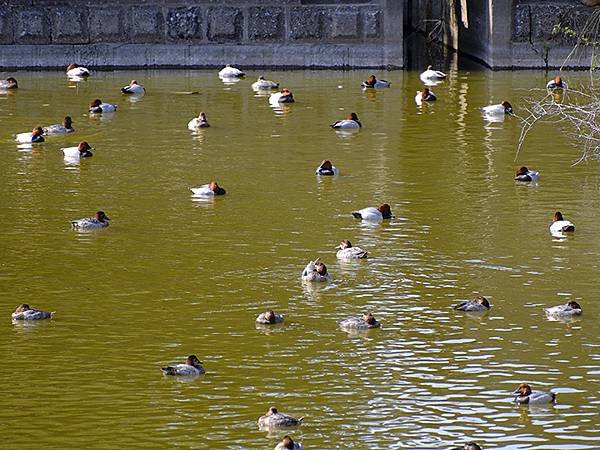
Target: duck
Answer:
[[556, 83], [198, 122], [75, 71], [264, 85], [424, 96], [373, 83], [90, 223], [283, 96], [209, 189], [347, 251], [351, 121], [288, 444], [326, 169], [315, 271], [25, 312], [567, 310], [560, 225], [526, 175], [525, 396], [372, 214], [230, 72], [58, 128], [9, 83], [35, 137], [83, 150], [97, 107], [269, 317], [468, 446], [432, 75], [479, 303], [133, 88], [192, 366], [497, 110], [274, 418], [366, 322]]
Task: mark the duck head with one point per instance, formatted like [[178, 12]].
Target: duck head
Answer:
[[71, 66], [369, 318], [22, 308], [270, 316], [522, 171], [261, 78], [95, 103], [101, 216], [84, 147], [429, 67], [12, 83], [218, 190], [371, 80], [470, 446], [202, 117], [68, 122], [385, 210], [133, 82], [523, 390], [482, 301], [558, 80], [353, 116], [37, 131], [558, 216], [288, 443], [344, 244], [193, 360], [425, 92], [507, 107], [573, 304], [326, 165], [272, 410], [320, 268]]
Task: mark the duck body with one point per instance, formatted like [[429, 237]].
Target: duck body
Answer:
[[198, 122], [560, 225], [527, 396], [347, 251], [477, 304], [264, 85], [274, 419], [497, 110], [350, 122], [315, 271], [97, 107], [91, 223], [374, 83], [326, 169], [83, 150], [432, 75], [556, 83], [284, 96], [209, 189], [525, 175], [366, 322], [75, 71], [191, 367], [424, 96], [133, 88], [372, 214], [8, 84], [288, 444], [30, 138], [230, 72], [24, 312], [59, 128], [269, 318], [570, 309]]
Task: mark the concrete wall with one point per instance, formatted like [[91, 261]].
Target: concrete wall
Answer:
[[201, 33]]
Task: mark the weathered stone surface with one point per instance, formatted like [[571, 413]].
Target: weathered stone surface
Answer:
[[106, 24], [184, 23], [265, 23], [69, 25], [372, 23], [146, 24], [307, 23], [225, 24], [551, 23], [6, 28], [346, 23], [33, 27]]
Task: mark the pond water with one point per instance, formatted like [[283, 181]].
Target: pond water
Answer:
[[174, 276]]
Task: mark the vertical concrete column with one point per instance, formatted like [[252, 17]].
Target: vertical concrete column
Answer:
[[393, 32], [501, 19]]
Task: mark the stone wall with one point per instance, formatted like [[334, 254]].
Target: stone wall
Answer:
[[204, 33]]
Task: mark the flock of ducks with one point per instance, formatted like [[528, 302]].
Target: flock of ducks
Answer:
[[315, 271]]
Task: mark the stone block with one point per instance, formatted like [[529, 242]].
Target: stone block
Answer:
[[33, 27], [6, 28], [225, 24], [307, 23], [345, 24], [372, 23], [106, 24], [521, 24], [69, 25], [184, 23], [265, 23], [146, 24]]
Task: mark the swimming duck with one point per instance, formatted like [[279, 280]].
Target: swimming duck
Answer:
[[469, 446], [191, 367], [374, 83], [351, 121], [526, 175], [230, 72], [346, 251], [372, 214], [479, 303], [264, 85], [9, 83], [211, 188], [270, 317], [36, 136], [97, 107], [367, 321], [133, 88], [567, 310], [288, 444], [284, 96], [64, 128], [432, 75], [556, 83], [89, 223], [528, 397], [326, 169], [315, 271], [273, 418], [83, 150], [497, 110], [198, 122], [24, 312], [560, 225], [424, 96], [75, 71]]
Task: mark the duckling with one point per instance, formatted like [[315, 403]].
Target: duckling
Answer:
[[497, 110], [432, 75], [326, 169], [75, 71], [347, 251], [560, 225], [374, 83], [83, 150], [567, 310], [35, 137], [64, 128], [25, 312], [288, 444], [264, 85], [556, 83], [526, 175], [97, 107], [479, 303], [424, 96], [9, 83], [273, 418], [366, 322], [284, 96], [525, 396], [270, 317], [90, 223], [133, 88], [209, 189], [372, 214], [198, 122], [230, 72], [315, 271], [192, 366], [351, 121]]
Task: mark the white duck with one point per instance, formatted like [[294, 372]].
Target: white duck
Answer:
[[90, 223], [9, 83], [264, 85], [288, 444], [556, 83], [133, 88], [347, 251], [24, 312], [230, 72], [372, 214], [191, 367], [499, 109], [60, 128], [432, 75], [35, 136], [424, 96], [373, 83], [198, 122], [284, 96], [560, 225], [83, 150], [525, 175], [75, 71], [315, 271], [567, 310], [350, 122], [526, 396], [209, 189], [327, 169], [97, 107]]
